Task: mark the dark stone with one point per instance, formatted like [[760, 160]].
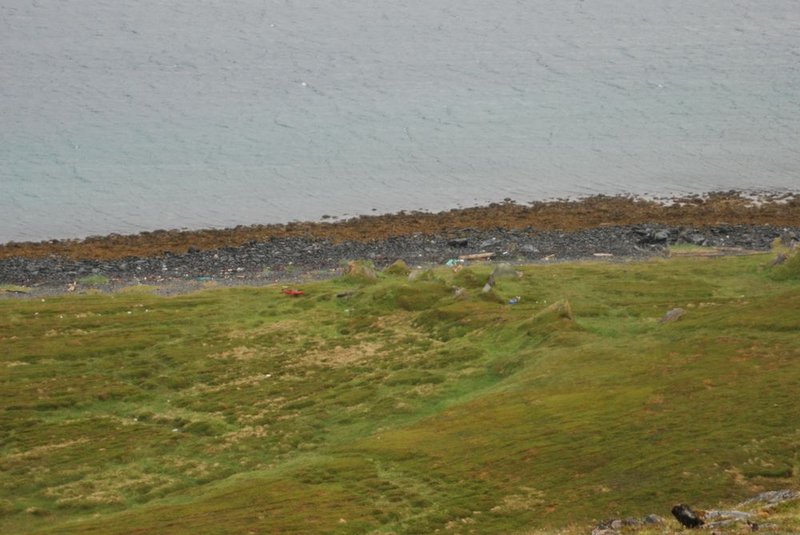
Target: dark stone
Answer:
[[686, 516], [458, 242], [696, 239], [651, 236], [659, 236]]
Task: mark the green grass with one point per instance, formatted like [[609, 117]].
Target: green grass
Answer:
[[14, 288], [401, 407], [94, 280]]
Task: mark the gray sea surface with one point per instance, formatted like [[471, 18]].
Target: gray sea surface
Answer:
[[130, 116]]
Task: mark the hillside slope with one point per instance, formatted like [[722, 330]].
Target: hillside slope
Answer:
[[402, 406]]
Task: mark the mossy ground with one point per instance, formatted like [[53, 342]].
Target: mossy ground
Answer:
[[401, 406]]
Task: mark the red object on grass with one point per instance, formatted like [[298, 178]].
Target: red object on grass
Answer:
[[293, 292]]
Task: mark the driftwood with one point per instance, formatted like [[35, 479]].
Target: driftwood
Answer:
[[476, 256]]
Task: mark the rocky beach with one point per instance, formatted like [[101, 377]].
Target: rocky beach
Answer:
[[607, 228]]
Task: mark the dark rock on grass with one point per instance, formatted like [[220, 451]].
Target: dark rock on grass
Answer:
[[686, 516]]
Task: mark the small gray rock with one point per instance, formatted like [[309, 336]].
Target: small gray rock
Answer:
[[673, 315], [653, 519]]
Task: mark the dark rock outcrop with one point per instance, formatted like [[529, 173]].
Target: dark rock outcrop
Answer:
[[686, 516]]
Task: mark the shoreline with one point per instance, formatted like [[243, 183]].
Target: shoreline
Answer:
[[597, 228], [710, 209]]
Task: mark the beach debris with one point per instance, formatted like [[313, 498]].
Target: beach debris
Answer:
[[602, 255], [458, 242], [514, 300], [686, 516], [453, 262], [549, 257], [476, 256], [345, 295], [294, 292], [673, 315]]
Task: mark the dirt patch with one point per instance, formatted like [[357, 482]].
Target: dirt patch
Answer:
[[261, 330], [340, 356], [238, 353], [39, 451]]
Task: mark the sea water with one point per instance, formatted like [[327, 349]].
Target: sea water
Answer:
[[130, 116]]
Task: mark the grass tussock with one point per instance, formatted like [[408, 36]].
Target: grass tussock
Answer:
[[395, 404]]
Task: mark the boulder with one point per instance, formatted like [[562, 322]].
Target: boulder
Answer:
[[651, 236], [686, 516]]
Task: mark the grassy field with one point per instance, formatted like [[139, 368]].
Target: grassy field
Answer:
[[402, 406]]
